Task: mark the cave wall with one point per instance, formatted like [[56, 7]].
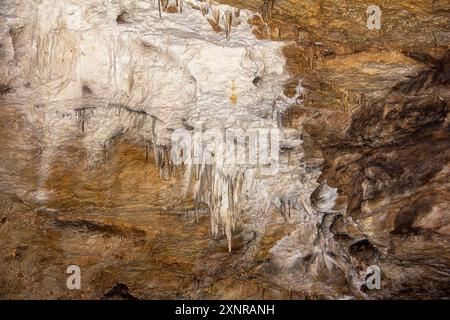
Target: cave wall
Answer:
[[92, 91], [377, 109]]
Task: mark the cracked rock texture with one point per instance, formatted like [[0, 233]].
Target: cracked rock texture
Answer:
[[92, 92]]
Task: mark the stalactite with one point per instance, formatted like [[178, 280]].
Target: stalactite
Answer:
[[311, 55], [204, 8], [220, 19], [228, 23], [284, 119], [196, 171], [147, 151], [290, 116], [163, 161], [107, 146], [166, 162], [159, 8], [267, 10], [164, 5], [216, 16], [154, 128], [289, 208], [293, 203], [135, 118], [282, 208], [236, 17], [82, 115], [109, 143]]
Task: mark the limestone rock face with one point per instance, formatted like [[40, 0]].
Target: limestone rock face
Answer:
[[96, 97]]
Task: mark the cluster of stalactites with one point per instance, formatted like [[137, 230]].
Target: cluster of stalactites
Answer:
[[164, 160], [133, 120], [220, 19], [83, 116], [219, 188], [163, 5], [283, 118]]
